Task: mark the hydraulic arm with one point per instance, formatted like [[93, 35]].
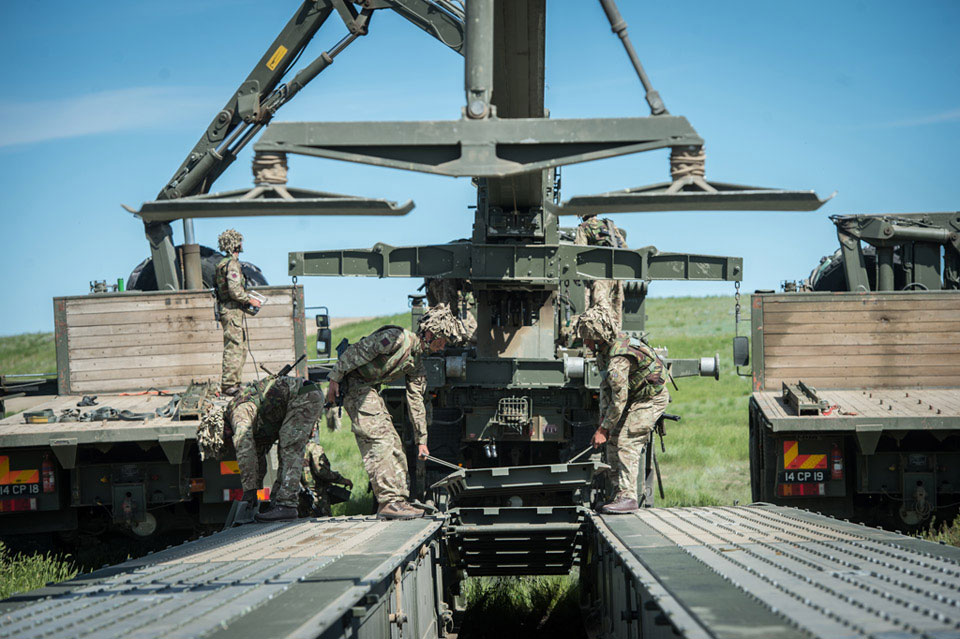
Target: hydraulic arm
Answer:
[[257, 99]]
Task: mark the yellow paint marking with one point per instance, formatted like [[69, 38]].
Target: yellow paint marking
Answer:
[[276, 57]]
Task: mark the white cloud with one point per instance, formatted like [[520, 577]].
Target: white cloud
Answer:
[[952, 115], [101, 112]]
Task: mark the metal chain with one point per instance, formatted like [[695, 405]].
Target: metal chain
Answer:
[[736, 309]]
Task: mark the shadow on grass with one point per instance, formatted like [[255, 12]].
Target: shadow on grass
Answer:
[[528, 607]]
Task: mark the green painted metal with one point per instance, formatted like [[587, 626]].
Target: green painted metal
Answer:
[[264, 201], [478, 148], [63, 345], [916, 237], [661, 197], [506, 263]]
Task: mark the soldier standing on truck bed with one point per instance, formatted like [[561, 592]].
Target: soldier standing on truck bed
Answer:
[[595, 231], [386, 354], [232, 298], [274, 409], [633, 396]]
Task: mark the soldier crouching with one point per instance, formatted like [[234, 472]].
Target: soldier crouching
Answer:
[[633, 397], [384, 355], [275, 409], [316, 479]]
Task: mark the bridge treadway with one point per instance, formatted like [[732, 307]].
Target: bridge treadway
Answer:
[[782, 572], [311, 572]]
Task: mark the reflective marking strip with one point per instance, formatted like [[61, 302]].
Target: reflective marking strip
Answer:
[[793, 460], [229, 468], [276, 57], [8, 476]]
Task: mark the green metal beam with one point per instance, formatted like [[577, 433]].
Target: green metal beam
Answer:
[[489, 147], [515, 263]]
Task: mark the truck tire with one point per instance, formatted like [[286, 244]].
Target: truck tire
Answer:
[[144, 277]]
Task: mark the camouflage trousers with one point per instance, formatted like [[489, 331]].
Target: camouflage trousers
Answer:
[[379, 443], [234, 346], [626, 445], [253, 442], [608, 294]]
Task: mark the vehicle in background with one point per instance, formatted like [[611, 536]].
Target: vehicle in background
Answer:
[[855, 409]]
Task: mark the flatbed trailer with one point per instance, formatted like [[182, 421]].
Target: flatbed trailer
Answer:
[[751, 571], [132, 472]]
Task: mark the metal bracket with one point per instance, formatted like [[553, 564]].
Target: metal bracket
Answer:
[[173, 446], [66, 451]]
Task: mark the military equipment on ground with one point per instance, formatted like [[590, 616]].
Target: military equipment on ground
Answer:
[[856, 376]]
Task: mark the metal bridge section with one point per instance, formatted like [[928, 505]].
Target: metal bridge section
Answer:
[[343, 577], [766, 571], [720, 573]]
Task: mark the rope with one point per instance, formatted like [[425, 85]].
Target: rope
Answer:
[[687, 162], [269, 168]]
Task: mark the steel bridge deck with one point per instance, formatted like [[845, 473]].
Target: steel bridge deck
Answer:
[[312, 572], [780, 572]]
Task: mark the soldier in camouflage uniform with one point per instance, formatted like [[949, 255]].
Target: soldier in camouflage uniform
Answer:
[[633, 397], [274, 409], [457, 294], [317, 476], [384, 355], [594, 231], [233, 299]]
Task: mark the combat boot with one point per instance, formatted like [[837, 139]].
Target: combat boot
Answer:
[[399, 510], [620, 506], [278, 513], [230, 390]]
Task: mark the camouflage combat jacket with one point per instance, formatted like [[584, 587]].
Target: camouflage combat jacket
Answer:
[[230, 283], [385, 355], [646, 377], [595, 231], [271, 396]]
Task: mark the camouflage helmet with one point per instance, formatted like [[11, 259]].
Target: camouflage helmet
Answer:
[[230, 241], [596, 324], [440, 321], [211, 439]]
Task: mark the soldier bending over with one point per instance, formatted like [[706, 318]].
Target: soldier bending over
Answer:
[[232, 296], [632, 398], [275, 409], [384, 355]]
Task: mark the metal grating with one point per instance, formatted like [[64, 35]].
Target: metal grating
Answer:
[[822, 576], [221, 581]]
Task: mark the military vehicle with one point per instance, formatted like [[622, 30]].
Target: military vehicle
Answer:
[[522, 401], [856, 376]]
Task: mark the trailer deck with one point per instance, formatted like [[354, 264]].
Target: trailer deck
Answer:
[[894, 408], [14, 431], [779, 572], [260, 580]]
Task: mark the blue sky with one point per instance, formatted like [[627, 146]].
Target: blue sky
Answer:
[[104, 99]]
